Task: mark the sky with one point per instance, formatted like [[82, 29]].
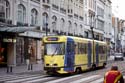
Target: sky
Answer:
[[118, 8]]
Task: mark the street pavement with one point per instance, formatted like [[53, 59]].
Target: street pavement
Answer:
[[21, 74], [38, 78], [36, 68]]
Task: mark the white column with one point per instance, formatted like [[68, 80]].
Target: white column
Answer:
[[39, 53], [14, 11]]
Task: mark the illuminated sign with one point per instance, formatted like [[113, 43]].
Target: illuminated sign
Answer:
[[9, 40], [52, 39]]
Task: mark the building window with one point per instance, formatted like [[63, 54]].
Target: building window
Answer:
[[21, 13], [4, 10], [80, 32], [46, 1], [69, 26], [45, 19], [34, 17], [75, 28], [7, 10], [54, 22], [62, 27], [100, 12], [100, 25]]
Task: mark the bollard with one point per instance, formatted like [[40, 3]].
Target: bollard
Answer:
[[11, 69], [7, 69], [31, 66], [28, 66]]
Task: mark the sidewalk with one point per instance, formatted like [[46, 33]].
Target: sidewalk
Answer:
[[22, 69]]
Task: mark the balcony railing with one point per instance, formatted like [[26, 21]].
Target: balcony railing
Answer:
[[76, 16], [55, 7], [7, 21], [36, 1], [22, 24], [80, 17]]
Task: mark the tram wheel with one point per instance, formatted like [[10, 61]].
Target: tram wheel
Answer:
[[104, 65], [78, 70], [93, 67]]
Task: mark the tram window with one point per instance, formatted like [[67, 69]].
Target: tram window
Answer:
[[101, 50], [76, 48], [80, 48], [54, 49], [85, 48], [104, 49]]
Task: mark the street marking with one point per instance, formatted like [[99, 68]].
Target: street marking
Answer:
[[62, 79], [98, 81], [17, 77], [25, 79], [38, 80], [33, 79], [85, 79]]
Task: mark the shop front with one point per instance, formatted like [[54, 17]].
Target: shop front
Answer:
[[14, 46]]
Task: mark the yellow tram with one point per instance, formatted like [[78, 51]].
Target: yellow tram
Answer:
[[68, 54]]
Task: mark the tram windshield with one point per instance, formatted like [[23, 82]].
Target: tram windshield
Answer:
[[54, 49]]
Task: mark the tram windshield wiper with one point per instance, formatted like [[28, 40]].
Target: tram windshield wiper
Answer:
[[54, 51]]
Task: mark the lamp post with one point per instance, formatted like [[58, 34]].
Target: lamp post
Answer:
[[92, 32], [93, 44]]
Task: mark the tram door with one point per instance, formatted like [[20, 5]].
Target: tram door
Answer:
[[69, 56], [89, 54]]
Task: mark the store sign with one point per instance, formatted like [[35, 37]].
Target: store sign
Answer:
[[9, 40]]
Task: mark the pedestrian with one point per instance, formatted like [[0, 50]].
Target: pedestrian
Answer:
[[30, 59], [113, 76]]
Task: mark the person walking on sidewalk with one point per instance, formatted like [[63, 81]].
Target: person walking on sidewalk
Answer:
[[30, 59], [113, 76]]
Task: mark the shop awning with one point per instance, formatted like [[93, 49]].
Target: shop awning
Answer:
[[33, 32], [16, 29]]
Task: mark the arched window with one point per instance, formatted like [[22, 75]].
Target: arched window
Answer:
[[69, 26], [4, 9], [75, 28], [45, 20], [7, 10], [54, 22], [62, 26], [21, 13], [34, 17], [81, 30]]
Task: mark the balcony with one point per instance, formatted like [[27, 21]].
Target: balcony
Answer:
[[80, 17], [55, 7], [76, 16], [46, 3], [21, 24]]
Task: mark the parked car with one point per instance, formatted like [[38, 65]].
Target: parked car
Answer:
[[118, 56]]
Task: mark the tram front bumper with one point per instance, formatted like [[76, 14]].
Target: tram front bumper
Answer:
[[52, 68]]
